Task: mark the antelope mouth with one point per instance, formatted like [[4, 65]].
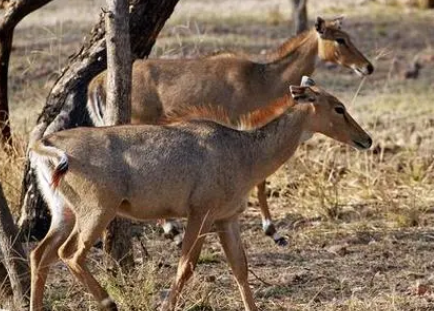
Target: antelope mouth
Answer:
[[366, 71], [363, 145], [359, 72]]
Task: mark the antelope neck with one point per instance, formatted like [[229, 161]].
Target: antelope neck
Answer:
[[269, 147], [294, 60]]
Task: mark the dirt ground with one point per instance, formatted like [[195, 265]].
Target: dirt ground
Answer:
[[359, 224]]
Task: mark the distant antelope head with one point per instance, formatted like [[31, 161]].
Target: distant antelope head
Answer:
[[334, 45], [329, 116]]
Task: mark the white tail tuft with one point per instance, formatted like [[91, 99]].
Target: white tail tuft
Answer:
[[41, 154], [95, 106]]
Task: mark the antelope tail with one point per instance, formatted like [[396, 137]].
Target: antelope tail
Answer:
[[41, 155], [96, 104]]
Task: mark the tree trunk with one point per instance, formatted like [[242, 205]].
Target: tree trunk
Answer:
[[66, 104], [15, 12], [117, 242], [118, 100], [426, 4], [14, 257], [299, 14], [5, 284], [5, 52]]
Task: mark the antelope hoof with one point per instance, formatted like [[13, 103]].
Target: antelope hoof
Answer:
[[165, 304], [269, 229], [178, 240], [109, 305], [172, 234], [281, 241]]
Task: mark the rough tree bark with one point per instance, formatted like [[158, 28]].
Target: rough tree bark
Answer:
[[14, 257], [426, 4], [15, 12], [66, 104], [118, 101], [5, 285], [117, 242], [299, 15]]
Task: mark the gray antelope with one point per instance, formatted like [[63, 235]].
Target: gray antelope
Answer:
[[182, 169], [233, 82]]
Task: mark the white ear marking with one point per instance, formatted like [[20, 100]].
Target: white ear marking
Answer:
[[338, 20], [307, 81]]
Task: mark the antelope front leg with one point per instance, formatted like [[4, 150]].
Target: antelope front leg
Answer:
[[197, 227], [229, 233], [267, 223]]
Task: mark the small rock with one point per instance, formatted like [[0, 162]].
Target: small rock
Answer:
[[413, 71], [340, 250], [421, 289], [210, 278]]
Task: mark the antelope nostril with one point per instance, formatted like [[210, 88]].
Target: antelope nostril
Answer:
[[369, 142], [370, 69]]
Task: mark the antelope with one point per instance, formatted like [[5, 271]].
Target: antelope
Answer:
[[183, 169], [239, 83]]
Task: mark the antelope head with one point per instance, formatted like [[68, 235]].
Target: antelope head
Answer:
[[328, 115], [334, 45]]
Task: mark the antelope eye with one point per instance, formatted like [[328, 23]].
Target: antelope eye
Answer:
[[340, 41], [340, 110]]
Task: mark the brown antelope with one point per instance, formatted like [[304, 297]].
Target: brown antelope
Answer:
[[239, 83], [183, 169]]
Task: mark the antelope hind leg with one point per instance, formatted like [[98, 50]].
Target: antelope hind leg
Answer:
[[197, 227], [172, 231], [73, 252], [45, 254]]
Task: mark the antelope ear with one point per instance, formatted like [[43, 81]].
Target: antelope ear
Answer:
[[302, 94], [320, 25], [337, 22], [307, 81]]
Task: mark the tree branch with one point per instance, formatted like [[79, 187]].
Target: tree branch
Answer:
[[15, 12], [14, 256]]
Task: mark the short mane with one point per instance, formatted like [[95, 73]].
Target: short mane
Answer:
[[217, 114], [288, 46], [226, 54], [256, 58], [268, 57]]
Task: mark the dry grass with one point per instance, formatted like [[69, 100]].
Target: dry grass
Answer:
[[11, 171], [359, 223]]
